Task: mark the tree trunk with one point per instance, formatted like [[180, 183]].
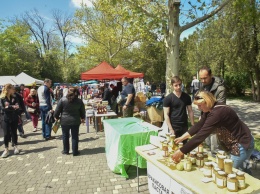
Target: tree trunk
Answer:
[[257, 80], [172, 43], [256, 53], [252, 85]]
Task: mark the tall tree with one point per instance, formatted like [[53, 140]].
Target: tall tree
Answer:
[[169, 17], [64, 24], [17, 52], [106, 28]]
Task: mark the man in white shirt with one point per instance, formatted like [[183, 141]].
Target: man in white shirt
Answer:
[[194, 86], [45, 106]]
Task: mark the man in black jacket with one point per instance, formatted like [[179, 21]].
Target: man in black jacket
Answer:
[[114, 94], [214, 85], [107, 94]]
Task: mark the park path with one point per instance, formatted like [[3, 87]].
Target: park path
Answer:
[[41, 168]]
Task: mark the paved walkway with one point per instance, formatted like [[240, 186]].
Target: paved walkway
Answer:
[[41, 168]]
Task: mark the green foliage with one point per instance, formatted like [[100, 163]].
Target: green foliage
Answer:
[[17, 52], [120, 35], [236, 83], [257, 143]]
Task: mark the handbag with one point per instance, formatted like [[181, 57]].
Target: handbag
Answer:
[[31, 110], [56, 126]]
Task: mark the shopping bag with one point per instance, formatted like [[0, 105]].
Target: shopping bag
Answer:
[[56, 126], [31, 110]]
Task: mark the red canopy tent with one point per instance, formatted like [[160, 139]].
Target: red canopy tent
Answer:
[[103, 71], [131, 73]]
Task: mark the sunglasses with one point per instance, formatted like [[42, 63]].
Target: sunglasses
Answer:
[[198, 98]]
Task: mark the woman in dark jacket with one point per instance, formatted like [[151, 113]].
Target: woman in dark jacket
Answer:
[[10, 107], [234, 135], [71, 111], [32, 101]]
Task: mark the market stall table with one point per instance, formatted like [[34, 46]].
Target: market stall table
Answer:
[[122, 136], [166, 179], [98, 123]]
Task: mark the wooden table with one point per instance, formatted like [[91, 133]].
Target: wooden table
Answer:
[[162, 176], [98, 123]]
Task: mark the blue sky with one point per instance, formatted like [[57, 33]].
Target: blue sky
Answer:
[[11, 8]]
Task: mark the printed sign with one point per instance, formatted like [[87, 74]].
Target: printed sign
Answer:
[[160, 183]]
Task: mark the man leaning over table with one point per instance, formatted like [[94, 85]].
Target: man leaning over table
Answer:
[[129, 92]]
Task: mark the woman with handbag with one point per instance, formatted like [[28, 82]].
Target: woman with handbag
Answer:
[[32, 102], [71, 112], [10, 106]]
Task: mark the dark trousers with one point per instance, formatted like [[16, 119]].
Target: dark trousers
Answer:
[[10, 130], [128, 112], [179, 131], [46, 128], [74, 135], [20, 125]]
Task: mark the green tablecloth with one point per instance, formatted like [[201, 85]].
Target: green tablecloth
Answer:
[[122, 136]]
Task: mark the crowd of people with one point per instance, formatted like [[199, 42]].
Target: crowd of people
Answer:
[[37, 104], [219, 125]]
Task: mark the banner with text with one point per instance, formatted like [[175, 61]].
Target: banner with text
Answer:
[[160, 183]]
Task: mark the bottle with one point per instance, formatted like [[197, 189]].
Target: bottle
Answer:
[[241, 180], [168, 137], [199, 160], [180, 145], [193, 157], [200, 148], [214, 173], [220, 161], [187, 164], [205, 155], [221, 179], [232, 183], [228, 164], [207, 169], [172, 137], [165, 149]]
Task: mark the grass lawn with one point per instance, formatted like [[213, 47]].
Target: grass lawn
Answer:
[[257, 143]]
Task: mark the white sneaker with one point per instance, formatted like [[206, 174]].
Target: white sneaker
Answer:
[[16, 150], [5, 154], [35, 129]]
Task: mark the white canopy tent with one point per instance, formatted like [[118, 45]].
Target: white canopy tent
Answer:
[[7, 79], [27, 80]]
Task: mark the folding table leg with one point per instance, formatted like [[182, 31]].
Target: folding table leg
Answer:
[[87, 123], [99, 124], [96, 124], [137, 172]]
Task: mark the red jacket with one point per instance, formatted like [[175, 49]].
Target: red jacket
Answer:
[[24, 93]]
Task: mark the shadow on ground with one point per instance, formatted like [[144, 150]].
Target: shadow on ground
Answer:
[[36, 150], [92, 151]]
